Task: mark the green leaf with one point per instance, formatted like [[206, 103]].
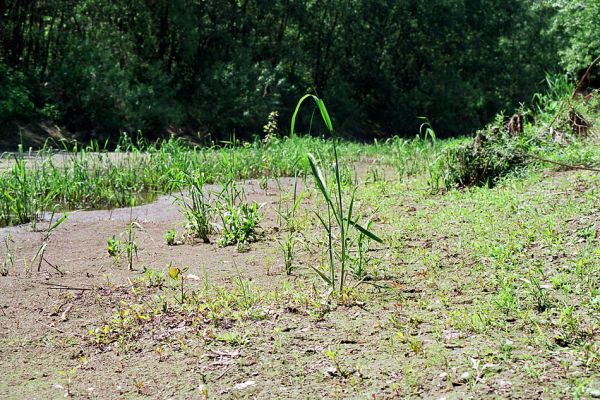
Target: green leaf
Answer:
[[297, 203], [322, 275], [366, 232], [325, 225], [62, 219], [319, 178], [322, 109], [306, 96], [324, 114]]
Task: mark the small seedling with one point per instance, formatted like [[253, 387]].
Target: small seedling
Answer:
[[287, 221], [171, 237], [339, 368], [131, 247], [52, 225], [114, 247]]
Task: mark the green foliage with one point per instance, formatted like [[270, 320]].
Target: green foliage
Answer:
[[481, 161], [195, 206], [16, 99], [89, 177], [239, 219], [170, 236], [219, 68], [22, 194], [577, 21], [286, 217], [114, 246], [547, 131]]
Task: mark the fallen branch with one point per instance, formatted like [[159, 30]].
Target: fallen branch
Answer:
[[584, 77], [569, 166], [64, 287]]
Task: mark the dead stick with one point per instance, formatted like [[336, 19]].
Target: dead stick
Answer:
[[224, 372], [52, 265], [584, 77], [59, 286], [583, 167], [63, 316]]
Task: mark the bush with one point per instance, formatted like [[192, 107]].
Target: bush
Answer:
[[551, 130], [482, 161]]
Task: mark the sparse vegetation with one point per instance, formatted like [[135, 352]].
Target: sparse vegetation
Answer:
[[482, 278]]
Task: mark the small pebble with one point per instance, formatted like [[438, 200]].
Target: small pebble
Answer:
[[465, 377], [244, 385]]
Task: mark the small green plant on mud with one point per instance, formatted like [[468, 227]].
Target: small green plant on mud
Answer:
[[239, 219], [153, 277], [288, 247], [171, 237], [538, 293], [375, 174], [233, 338], [337, 213], [68, 376], [338, 367], [114, 247], [52, 226], [196, 206], [287, 221], [131, 246], [239, 223]]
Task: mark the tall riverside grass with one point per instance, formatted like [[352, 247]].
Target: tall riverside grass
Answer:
[[76, 176]]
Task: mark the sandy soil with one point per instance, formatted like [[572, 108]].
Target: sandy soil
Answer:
[[46, 350], [78, 248]]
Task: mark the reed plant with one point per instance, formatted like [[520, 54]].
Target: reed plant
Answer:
[[338, 219]]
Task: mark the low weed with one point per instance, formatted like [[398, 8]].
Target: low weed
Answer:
[[171, 237], [196, 206], [125, 242], [239, 219], [52, 226], [287, 222]]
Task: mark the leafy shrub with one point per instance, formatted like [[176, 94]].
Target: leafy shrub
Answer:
[[483, 160], [239, 223]]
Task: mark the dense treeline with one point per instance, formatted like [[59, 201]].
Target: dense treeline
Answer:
[[220, 67]]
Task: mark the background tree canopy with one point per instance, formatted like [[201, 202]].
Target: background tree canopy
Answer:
[[220, 67]]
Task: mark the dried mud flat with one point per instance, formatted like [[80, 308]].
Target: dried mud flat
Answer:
[[404, 340]]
